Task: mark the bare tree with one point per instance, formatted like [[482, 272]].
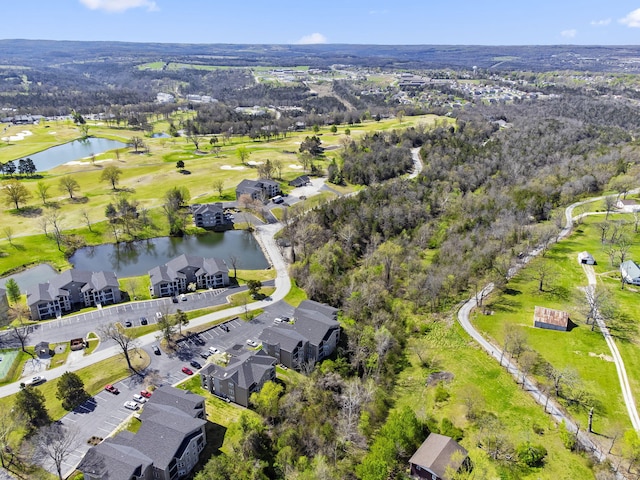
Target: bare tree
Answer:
[[85, 215], [526, 362], [547, 235], [218, 185], [68, 184], [56, 442], [42, 189], [598, 305], [19, 312], [234, 260], [609, 205], [8, 424], [54, 217], [124, 341], [604, 228], [8, 233]]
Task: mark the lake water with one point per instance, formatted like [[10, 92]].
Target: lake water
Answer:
[[38, 274], [76, 150], [137, 258]]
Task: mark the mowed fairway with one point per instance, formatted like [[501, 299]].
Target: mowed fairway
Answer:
[[581, 350], [145, 178]]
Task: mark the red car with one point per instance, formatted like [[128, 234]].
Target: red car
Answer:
[[111, 389], [145, 393], [187, 370]]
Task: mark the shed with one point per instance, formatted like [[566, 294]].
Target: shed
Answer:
[[550, 319], [630, 272], [43, 350], [437, 454], [586, 258]]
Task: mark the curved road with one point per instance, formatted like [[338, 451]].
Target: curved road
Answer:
[[543, 399]]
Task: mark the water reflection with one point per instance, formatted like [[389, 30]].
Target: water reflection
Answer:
[[137, 258]]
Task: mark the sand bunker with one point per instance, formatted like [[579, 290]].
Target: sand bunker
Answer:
[[78, 162], [230, 167], [254, 163], [602, 356], [295, 167], [17, 137]]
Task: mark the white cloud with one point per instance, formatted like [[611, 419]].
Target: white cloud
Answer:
[[571, 33], [601, 23], [313, 38], [632, 19], [119, 5]]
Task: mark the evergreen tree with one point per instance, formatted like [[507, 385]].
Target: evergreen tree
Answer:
[[71, 391], [30, 403]]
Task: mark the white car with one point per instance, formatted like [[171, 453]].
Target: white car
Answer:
[[131, 405], [37, 380], [277, 320], [139, 398], [251, 343], [214, 350]]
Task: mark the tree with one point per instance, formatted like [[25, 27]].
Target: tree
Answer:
[[53, 218], [234, 260], [218, 185], [609, 205], [334, 129], [532, 455], [56, 442], [254, 287], [18, 313], [42, 189], [8, 424], [400, 115], [243, 154], [167, 327], [181, 320], [312, 145], [15, 193], [266, 401], [137, 143], [71, 391], [30, 403], [112, 175], [180, 165], [69, 185], [174, 201], [8, 233], [13, 290], [85, 215], [124, 341]]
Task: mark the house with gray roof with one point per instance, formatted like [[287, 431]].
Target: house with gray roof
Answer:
[[72, 290], [243, 375], [261, 189], [313, 336], [167, 446], [630, 272], [176, 275], [209, 215], [300, 181], [436, 456]]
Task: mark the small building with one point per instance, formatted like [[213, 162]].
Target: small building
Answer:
[[209, 215], [436, 455], [627, 206], [586, 258], [261, 189], [550, 319], [630, 272], [43, 350], [244, 375], [300, 181]]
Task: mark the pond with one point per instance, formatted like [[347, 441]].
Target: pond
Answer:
[[30, 277], [137, 258], [76, 150]]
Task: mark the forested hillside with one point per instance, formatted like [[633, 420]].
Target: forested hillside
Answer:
[[400, 254]]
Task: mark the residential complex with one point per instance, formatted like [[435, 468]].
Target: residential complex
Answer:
[[261, 189], [177, 275]]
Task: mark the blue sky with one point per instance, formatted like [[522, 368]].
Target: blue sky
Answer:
[[472, 22]]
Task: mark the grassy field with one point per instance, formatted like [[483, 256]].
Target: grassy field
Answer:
[[446, 348], [142, 174], [579, 349]]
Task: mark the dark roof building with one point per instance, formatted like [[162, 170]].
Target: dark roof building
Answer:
[[437, 454], [167, 445], [300, 181], [175, 276], [209, 215], [72, 289], [261, 189], [244, 375]]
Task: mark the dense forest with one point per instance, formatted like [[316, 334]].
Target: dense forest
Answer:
[[415, 246]]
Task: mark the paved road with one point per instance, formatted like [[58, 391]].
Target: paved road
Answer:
[[496, 352]]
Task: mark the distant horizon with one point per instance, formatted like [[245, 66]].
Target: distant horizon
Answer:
[[355, 22], [563, 45]]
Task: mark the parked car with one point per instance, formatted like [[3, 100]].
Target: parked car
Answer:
[[213, 350], [155, 349], [145, 393], [158, 315], [139, 398], [111, 389], [278, 320], [183, 297], [205, 354], [174, 299], [131, 405], [195, 364], [128, 324], [37, 380], [198, 340], [187, 370], [251, 343], [143, 320]]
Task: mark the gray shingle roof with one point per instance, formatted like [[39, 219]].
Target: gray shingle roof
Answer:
[[111, 460], [56, 286], [245, 369], [436, 452], [171, 270], [283, 335]]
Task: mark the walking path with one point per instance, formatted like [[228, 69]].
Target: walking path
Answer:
[[541, 397]]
